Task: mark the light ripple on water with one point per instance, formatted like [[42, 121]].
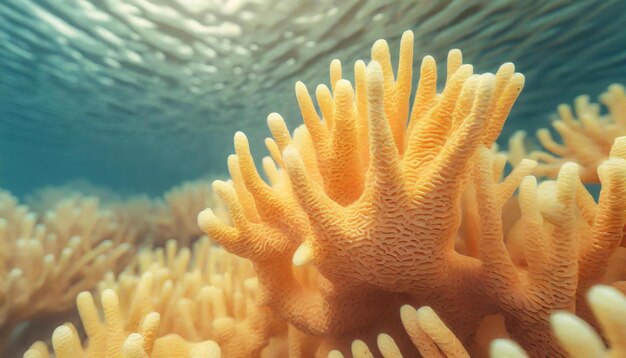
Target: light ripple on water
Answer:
[[140, 94]]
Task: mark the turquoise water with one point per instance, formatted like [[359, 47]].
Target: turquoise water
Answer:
[[140, 95]]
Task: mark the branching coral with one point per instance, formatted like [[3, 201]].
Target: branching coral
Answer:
[[587, 135], [183, 303], [45, 262], [373, 207], [370, 194]]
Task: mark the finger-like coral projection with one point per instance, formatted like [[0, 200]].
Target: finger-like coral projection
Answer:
[[46, 261], [587, 135], [427, 332], [370, 194], [111, 338], [577, 337], [176, 303]]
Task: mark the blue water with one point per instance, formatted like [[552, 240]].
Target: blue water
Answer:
[[140, 95]]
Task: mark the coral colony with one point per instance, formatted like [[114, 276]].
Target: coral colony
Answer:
[[385, 228]]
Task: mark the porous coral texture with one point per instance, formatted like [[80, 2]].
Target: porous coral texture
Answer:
[[587, 135], [45, 261], [370, 194]]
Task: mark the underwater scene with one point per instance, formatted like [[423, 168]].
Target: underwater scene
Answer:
[[315, 178]]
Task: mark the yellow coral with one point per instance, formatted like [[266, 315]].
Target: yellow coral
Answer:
[[373, 208]]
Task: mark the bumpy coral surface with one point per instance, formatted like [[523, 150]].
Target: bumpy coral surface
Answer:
[[370, 194]]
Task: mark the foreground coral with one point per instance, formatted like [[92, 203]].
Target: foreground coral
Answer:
[[587, 135], [172, 303], [370, 195], [46, 261], [576, 336]]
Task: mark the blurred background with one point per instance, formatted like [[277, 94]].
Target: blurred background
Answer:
[[139, 95]]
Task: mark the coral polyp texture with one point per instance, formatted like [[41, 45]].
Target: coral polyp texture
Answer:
[[370, 193], [587, 135]]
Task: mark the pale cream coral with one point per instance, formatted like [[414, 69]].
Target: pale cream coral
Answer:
[[587, 135], [428, 333], [186, 296], [154, 220], [46, 261], [200, 293], [111, 338]]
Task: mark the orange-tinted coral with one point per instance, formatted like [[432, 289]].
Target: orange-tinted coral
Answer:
[[576, 336], [370, 194]]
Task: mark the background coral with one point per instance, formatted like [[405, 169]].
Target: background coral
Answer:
[[586, 134], [45, 261], [185, 297]]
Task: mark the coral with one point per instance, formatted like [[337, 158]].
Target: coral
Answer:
[[427, 332], [182, 302], [109, 338], [576, 336], [371, 194], [154, 220], [587, 135], [46, 261], [174, 216], [47, 197]]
